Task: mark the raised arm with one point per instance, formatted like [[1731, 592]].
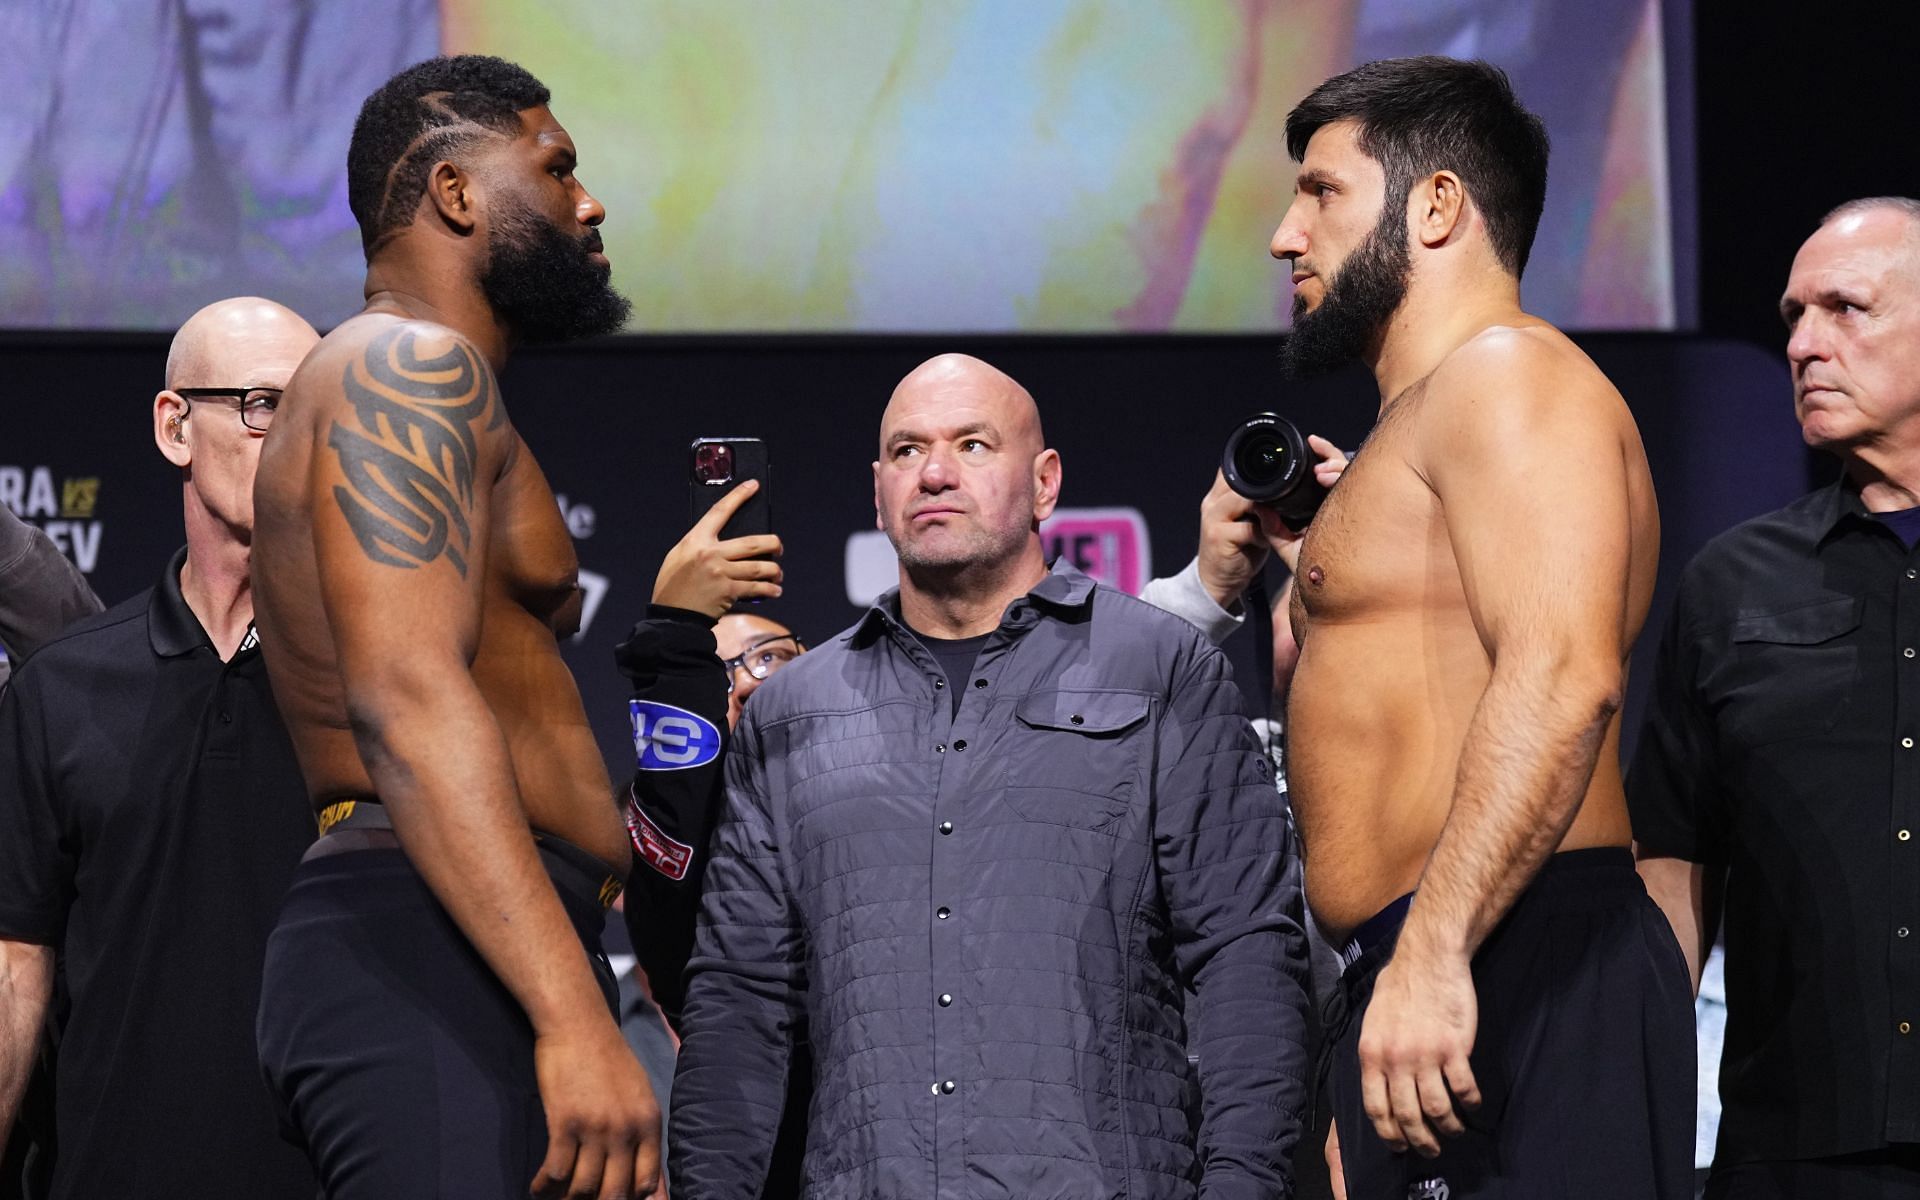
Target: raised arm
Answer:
[[1224, 854], [401, 494], [1545, 569]]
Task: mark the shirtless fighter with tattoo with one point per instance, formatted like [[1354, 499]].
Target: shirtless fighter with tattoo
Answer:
[[1516, 1011], [437, 1018]]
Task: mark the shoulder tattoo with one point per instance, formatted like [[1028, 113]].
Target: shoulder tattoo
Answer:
[[410, 454]]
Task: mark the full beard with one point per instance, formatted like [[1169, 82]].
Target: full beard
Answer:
[[1360, 299], [543, 285]]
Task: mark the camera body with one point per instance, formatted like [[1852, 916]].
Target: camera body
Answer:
[[1267, 461]]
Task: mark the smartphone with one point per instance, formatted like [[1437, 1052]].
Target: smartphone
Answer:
[[716, 466]]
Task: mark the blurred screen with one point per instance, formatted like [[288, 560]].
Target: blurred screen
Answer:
[[868, 166]]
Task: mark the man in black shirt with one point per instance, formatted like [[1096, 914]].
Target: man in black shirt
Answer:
[[1780, 765], [151, 815]]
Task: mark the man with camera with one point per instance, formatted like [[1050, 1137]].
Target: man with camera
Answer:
[[1516, 1010], [1009, 850]]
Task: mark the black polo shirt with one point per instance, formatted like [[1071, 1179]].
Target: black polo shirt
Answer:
[[1783, 743], [151, 816]]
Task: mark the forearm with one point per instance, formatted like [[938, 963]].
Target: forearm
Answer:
[[26, 987], [440, 766], [1524, 768], [1685, 892], [1248, 1026]]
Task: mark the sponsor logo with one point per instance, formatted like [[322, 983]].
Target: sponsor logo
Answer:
[[666, 738], [1109, 544], [665, 855], [63, 513], [1430, 1189]]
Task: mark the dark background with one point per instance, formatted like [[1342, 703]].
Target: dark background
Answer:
[[1793, 114]]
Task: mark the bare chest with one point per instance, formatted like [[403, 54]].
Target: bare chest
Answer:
[[531, 564], [1379, 543]]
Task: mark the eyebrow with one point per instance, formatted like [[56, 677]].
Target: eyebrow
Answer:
[[1314, 177], [914, 435]]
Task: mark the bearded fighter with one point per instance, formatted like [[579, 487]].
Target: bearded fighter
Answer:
[[1515, 1018], [437, 1018]]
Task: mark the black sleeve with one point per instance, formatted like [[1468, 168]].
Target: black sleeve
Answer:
[[679, 720], [37, 866], [1673, 792]]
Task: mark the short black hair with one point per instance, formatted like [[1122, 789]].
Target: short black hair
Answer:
[[1426, 114], [419, 117]]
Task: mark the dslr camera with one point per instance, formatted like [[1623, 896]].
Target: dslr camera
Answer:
[[1267, 461]]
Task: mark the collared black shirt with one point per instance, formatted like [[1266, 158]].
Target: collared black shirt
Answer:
[[151, 816], [1783, 743]]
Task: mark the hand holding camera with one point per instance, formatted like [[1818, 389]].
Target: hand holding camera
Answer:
[[1271, 482]]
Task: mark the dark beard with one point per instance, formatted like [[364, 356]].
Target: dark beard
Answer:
[[1360, 298], [541, 283]]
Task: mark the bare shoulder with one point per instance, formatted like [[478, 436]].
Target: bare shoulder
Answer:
[[410, 435], [1509, 386]]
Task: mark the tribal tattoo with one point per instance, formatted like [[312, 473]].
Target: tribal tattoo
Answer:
[[410, 463]]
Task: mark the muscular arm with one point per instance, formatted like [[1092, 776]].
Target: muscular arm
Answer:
[[41, 593], [1545, 569], [401, 494], [26, 988]]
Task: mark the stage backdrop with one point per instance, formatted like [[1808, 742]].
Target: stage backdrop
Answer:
[[1139, 423], [874, 165]]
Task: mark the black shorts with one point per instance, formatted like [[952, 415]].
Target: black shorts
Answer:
[[400, 1062], [1584, 1054], [1888, 1174]]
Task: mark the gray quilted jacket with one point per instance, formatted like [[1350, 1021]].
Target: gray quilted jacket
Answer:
[[1010, 934]]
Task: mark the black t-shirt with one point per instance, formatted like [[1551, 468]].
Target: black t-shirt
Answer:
[[1905, 522], [154, 816], [956, 657]]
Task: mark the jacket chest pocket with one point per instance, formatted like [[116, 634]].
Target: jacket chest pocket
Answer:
[[1791, 674], [1076, 758]]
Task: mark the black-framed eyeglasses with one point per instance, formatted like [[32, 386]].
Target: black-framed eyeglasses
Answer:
[[256, 404], [764, 657]]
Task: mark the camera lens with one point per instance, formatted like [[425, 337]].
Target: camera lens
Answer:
[[1262, 460], [713, 462], [1266, 461]]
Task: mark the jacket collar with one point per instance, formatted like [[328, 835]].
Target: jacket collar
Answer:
[[1065, 592]]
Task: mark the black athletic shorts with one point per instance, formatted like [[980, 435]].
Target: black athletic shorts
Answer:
[[1584, 1055], [400, 1062], [1892, 1173]]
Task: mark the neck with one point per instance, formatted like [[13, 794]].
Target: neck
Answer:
[[403, 281], [214, 581], [1888, 480], [967, 600], [1439, 315]]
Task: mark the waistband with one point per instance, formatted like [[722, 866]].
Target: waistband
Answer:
[[574, 871], [1376, 929]]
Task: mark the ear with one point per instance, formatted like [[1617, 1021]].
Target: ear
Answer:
[[879, 521], [1046, 484], [451, 191], [170, 413], [1437, 208]]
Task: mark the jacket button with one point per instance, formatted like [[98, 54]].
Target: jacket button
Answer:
[[961, 744], [946, 1087], [979, 683], [943, 912], [946, 827], [1077, 719], [946, 998], [939, 747], [938, 684]]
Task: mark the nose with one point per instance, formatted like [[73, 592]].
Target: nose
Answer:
[[1290, 240], [1808, 340], [587, 210], [937, 472]]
